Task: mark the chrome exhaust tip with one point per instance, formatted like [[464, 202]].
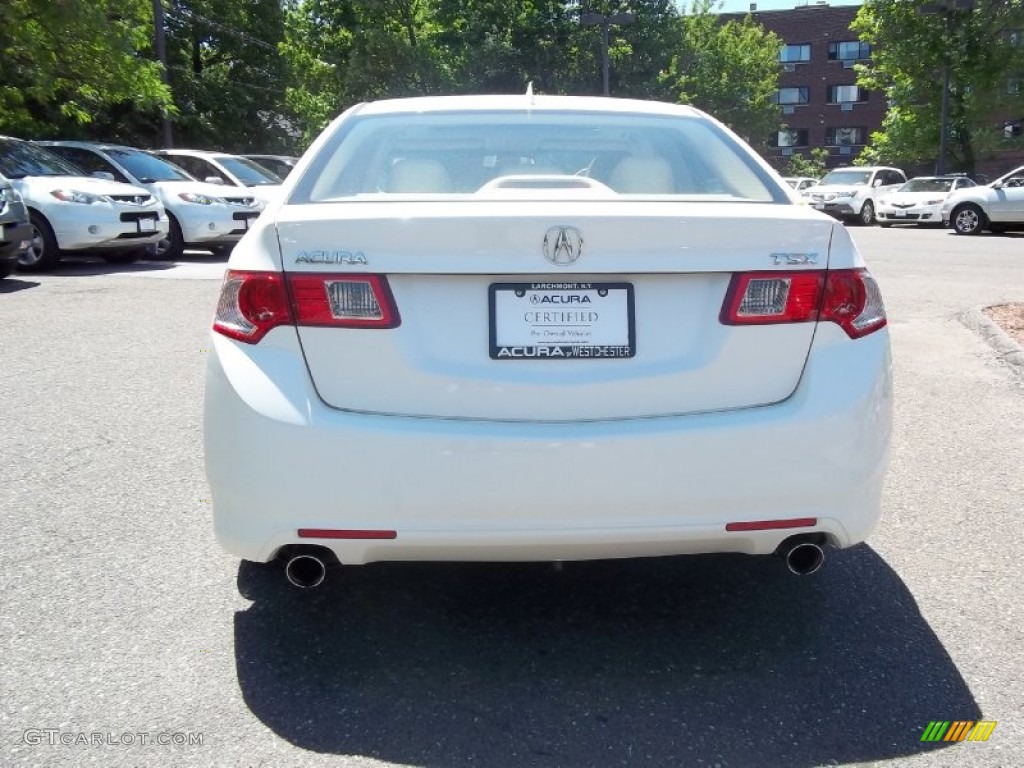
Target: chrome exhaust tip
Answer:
[[803, 557], [305, 571]]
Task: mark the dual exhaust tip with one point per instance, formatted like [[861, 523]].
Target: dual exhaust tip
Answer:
[[306, 570]]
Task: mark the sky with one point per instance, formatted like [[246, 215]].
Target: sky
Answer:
[[738, 6]]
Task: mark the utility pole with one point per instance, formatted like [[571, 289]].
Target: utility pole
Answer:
[[592, 20], [160, 43]]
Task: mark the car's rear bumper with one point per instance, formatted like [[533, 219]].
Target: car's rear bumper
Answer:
[[277, 460]]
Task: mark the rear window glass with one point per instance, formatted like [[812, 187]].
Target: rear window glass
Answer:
[[466, 153]]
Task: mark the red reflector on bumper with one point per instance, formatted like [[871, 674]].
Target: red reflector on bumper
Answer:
[[771, 525], [335, 533]]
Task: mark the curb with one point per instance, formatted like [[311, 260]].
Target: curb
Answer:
[[1006, 348]]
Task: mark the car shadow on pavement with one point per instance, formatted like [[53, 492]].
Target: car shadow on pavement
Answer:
[[721, 658], [15, 284], [91, 266]]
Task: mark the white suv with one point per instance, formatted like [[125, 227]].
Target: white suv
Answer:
[[224, 169], [71, 212], [852, 193], [996, 207], [203, 215]]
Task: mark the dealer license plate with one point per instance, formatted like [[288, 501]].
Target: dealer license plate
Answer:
[[147, 225], [561, 321]]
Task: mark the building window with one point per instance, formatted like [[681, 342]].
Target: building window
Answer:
[[849, 51], [791, 54], [845, 94], [800, 95], [796, 138], [844, 137]]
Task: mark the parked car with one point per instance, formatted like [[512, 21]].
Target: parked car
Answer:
[[73, 213], [801, 183], [15, 230], [206, 216], [852, 193], [996, 207], [229, 170], [574, 327], [279, 164], [919, 201]]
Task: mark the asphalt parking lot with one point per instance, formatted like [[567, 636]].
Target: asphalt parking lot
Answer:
[[123, 624]]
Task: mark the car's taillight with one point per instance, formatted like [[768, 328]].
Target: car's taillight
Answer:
[[252, 303], [848, 297], [852, 300], [345, 301]]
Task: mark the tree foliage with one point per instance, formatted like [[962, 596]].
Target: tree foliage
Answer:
[[730, 70], [226, 74], [910, 50], [269, 74], [65, 62], [813, 165]]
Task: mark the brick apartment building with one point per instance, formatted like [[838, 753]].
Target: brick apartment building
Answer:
[[821, 102]]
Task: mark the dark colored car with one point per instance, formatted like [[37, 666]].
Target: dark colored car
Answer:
[[15, 230]]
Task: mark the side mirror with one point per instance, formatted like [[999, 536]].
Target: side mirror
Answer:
[[105, 175], [877, 183], [997, 185], [214, 180]]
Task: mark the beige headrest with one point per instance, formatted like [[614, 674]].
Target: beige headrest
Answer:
[[642, 176], [414, 175]]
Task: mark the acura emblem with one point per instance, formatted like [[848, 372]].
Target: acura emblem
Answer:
[[563, 245]]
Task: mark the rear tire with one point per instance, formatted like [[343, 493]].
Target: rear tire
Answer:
[[42, 252], [867, 213], [968, 220], [173, 247]]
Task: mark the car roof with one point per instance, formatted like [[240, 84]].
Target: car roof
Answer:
[[529, 102], [193, 152], [90, 145]]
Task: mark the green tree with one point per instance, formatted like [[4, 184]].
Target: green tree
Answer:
[[730, 70], [227, 75], [814, 164], [65, 63], [910, 50]]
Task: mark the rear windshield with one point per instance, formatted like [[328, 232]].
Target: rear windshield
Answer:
[[927, 185], [464, 153]]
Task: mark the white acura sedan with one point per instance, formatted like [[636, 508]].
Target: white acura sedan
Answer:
[[542, 328]]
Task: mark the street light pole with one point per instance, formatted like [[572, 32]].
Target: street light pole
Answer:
[[593, 19]]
